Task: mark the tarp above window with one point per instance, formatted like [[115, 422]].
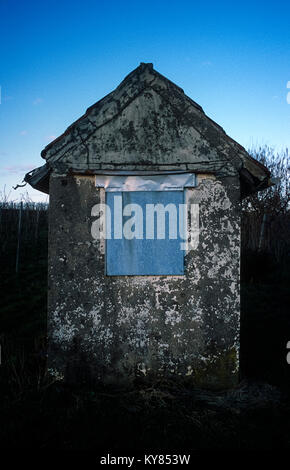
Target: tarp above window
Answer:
[[169, 182]]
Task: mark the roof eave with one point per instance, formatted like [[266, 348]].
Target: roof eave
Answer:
[[39, 178]]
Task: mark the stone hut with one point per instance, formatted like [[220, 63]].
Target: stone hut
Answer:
[[120, 307]]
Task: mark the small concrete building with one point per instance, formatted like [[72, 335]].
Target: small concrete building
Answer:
[[120, 307]]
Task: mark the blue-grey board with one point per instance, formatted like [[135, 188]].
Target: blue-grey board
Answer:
[[143, 256]]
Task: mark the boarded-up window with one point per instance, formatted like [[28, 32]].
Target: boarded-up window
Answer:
[[145, 233]]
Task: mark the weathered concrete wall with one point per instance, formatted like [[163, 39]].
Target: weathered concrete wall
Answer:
[[112, 328]]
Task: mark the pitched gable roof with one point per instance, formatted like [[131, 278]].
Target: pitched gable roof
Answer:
[[148, 122]]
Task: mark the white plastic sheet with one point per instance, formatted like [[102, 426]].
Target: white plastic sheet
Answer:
[[168, 182]]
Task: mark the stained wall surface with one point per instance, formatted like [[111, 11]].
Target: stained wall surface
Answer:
[[115, 328]]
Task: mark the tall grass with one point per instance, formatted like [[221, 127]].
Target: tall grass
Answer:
[[23, 295]]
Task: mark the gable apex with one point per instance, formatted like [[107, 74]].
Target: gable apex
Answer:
[[149, 123], [136, 82]]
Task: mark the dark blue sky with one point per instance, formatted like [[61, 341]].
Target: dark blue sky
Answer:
[[58, 58]]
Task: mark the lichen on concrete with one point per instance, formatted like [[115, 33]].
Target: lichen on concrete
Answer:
[[119, 327]]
